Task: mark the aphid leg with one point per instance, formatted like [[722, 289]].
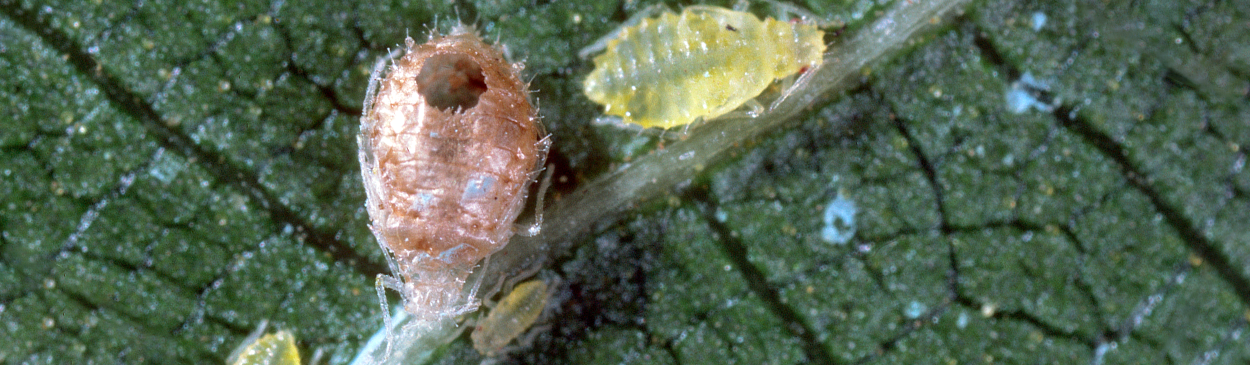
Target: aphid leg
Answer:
[[528, 337], [459, 330], [537, 226], [613, 120], [380, 286], [602, 43], [785, 10], [639, 130], [469, 302], [685, 129], [754, 108], [476, 280], [543, 145], [250, 339], [317, 355]]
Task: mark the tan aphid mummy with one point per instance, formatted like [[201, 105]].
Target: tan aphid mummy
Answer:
[[448, 146], [702, 63]]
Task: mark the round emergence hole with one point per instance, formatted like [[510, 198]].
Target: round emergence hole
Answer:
[[449, 81]]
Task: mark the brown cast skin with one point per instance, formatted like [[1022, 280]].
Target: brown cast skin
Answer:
[[446, 185]]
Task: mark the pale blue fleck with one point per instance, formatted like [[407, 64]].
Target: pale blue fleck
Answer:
[[839, 221]]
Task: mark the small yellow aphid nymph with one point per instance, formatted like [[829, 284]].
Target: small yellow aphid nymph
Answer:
[[266, 349], [515, 313]]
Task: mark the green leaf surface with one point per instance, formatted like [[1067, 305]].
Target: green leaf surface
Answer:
[[1055, 182]]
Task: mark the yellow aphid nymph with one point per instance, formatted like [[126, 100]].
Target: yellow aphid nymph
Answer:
[[704, 62], [271, 349], [511, 317]]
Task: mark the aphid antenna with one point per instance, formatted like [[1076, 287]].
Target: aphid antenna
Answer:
[[511, 282], [477, 282], [508, 282], [490, 292]]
